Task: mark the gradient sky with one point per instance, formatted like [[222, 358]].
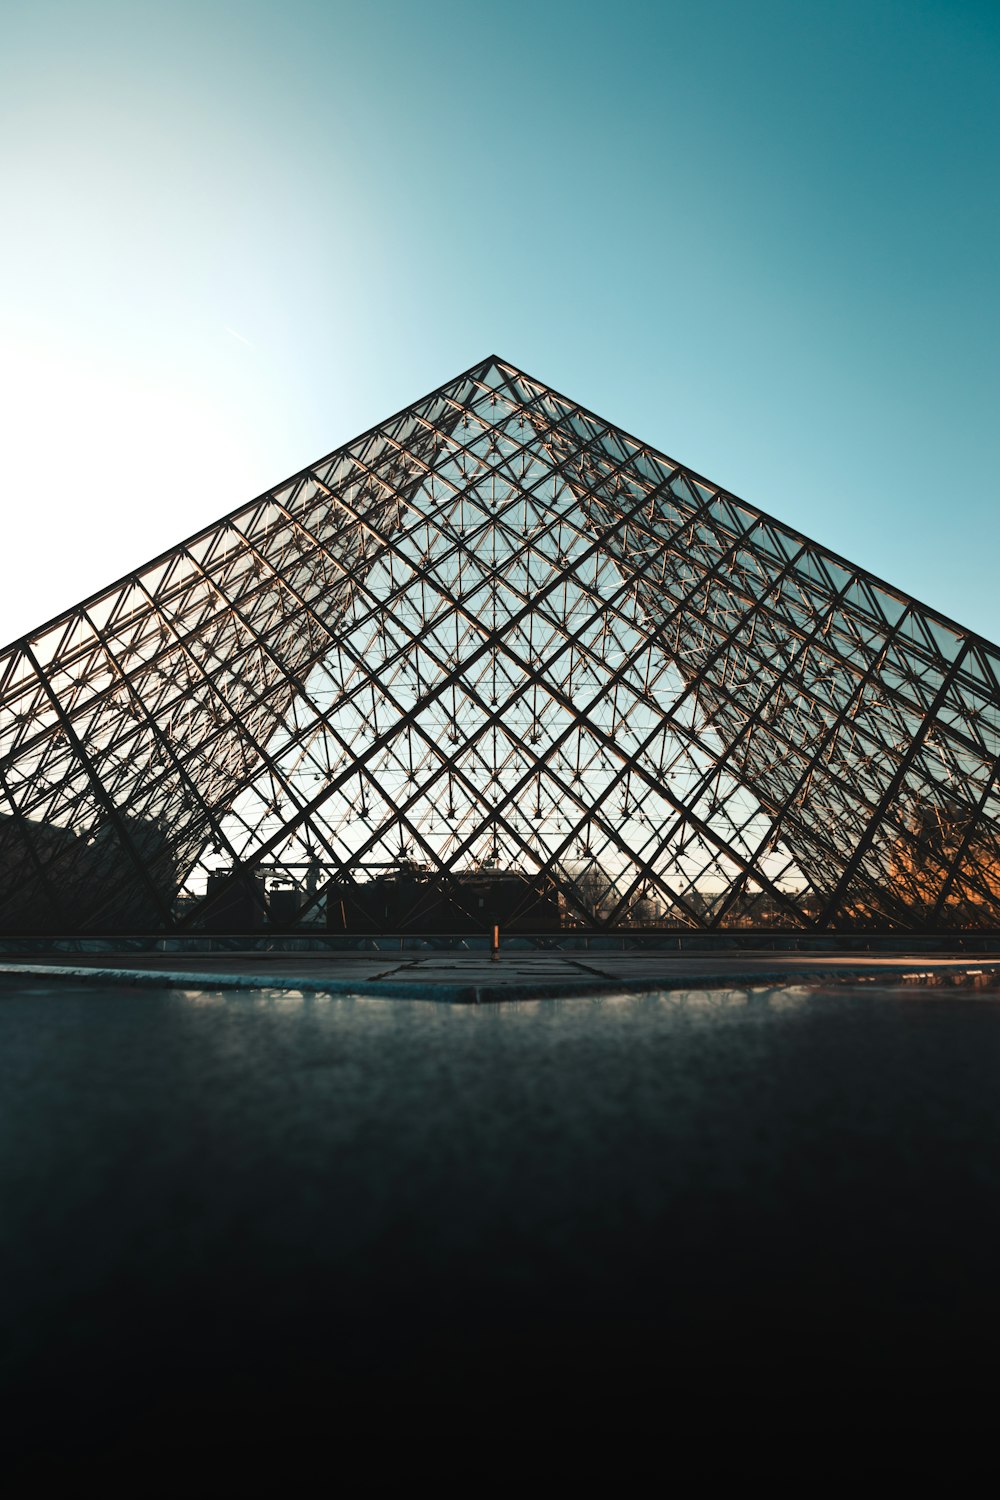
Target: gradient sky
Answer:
[[762, 236]]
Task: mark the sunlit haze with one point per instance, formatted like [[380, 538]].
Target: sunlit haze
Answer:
[[762, 237]]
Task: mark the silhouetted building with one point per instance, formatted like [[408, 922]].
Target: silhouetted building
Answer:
[[236, 901], [417, 902]]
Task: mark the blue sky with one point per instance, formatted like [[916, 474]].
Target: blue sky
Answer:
[[761, 236]]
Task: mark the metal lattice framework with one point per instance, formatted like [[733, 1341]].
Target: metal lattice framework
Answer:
[[496, 653]]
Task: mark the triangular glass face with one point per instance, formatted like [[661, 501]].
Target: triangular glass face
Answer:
[[496, 662]]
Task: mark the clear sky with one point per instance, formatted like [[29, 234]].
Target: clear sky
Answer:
[[762, 236]]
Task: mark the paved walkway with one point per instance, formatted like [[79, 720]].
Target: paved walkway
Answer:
[[474, 978]]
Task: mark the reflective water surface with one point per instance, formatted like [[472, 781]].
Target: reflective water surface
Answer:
[[266, 1202]]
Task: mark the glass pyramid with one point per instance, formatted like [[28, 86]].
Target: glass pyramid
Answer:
[[496, 661]]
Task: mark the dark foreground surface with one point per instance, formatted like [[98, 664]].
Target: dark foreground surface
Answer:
[[241, 1227]]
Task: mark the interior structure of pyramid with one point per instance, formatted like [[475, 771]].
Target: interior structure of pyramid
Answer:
[[496, 661]]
